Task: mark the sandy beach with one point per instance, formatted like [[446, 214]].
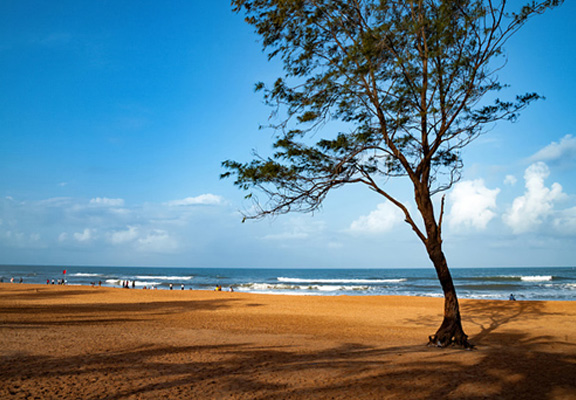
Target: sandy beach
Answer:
[[73, 342]]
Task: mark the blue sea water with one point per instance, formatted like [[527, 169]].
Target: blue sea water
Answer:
[[546, 283]]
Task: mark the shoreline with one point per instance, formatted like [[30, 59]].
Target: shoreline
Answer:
[[272, 293], [475, 283], [83, 342]]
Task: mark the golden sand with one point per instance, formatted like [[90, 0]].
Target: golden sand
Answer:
[[102, 343]]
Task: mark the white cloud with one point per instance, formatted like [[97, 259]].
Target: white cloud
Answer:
[[565, 222], [158, 241], [203, 199], [472, 204], [144, 240], [510, 180], [106, 223], [124, 236], [287, 236], [298, 228], [53, 202], [383, 219], [19, 239], [557, 151], [106, 202], [84, 236], [529, 210]]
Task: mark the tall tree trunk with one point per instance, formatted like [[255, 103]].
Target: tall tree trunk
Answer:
[[450, 331]]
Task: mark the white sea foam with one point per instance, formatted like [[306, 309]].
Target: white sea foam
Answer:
[[333, 288], [118, 282], [84, 274], [165, 278], [536, 278], [147, 284], [562, 286], [325, 288], [268, 286], [366, 281], [309, 287], [491, 296]]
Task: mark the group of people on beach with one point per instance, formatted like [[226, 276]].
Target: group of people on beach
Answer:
[[218, 288], [12, 280], [127, 285], [54, 282], [181, 287]]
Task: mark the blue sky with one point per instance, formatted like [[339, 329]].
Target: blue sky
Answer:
[[115, 118]]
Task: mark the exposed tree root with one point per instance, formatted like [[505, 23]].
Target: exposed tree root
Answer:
[[450, 333]]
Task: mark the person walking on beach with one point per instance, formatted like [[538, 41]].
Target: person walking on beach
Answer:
[[170, 286]]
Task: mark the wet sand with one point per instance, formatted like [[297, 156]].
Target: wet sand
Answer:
[[71, 342]]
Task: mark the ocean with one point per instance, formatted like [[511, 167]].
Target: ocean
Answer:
[[546, 283]]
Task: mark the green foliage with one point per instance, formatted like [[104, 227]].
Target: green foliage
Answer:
[[406, 79]]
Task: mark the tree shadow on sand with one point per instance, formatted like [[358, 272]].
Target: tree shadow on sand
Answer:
[[252, 371], [84, 314], [490, 316], [507, 365]]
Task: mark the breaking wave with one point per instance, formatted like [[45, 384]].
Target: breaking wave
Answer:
[[353, 281]]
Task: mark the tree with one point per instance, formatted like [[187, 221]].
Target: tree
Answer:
[[399, 88]]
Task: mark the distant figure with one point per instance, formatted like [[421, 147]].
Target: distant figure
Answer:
[[21, 280], [133, 284], [231, 289], [182, 286], [47, 281], [12, 280], [170, 286], [99, 283], [512, 298]]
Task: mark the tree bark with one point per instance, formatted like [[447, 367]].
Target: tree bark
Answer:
[[450, 331]]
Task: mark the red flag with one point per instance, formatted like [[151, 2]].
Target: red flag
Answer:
[[64, 272]]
